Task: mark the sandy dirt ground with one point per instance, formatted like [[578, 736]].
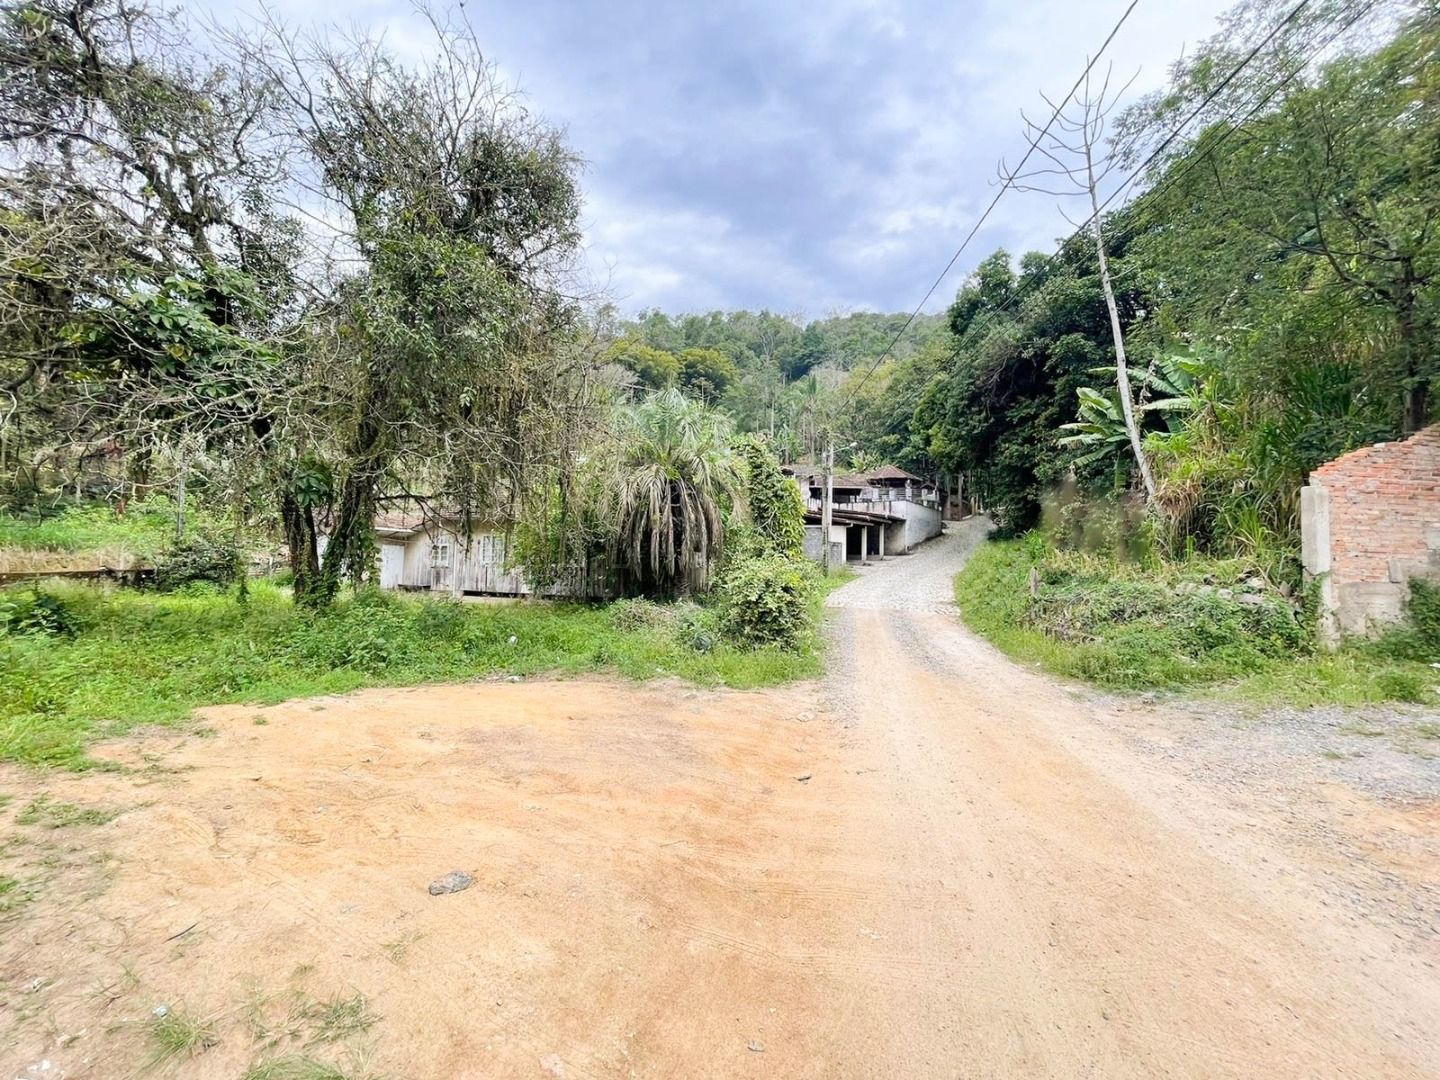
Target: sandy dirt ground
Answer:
[[933, 864]]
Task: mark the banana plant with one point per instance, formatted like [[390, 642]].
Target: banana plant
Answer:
[[1100, 427]]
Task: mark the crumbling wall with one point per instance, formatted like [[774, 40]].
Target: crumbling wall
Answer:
[[1370, 522]]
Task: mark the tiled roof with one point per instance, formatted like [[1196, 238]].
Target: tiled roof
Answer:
[[890, 472]]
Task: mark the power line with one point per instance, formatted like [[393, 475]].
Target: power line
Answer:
[[1037, 276], [1005, 186]]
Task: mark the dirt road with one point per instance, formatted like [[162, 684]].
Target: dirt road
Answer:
[[935, 864]]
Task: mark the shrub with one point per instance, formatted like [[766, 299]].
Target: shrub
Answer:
[[766, 601], [198, 558], [1397, 685], [1418, 637], [637, 613], [1424, 613], [777, 512], [1119, 626], [34, 611], [698, 628]]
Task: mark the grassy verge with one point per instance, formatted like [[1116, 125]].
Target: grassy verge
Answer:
[[118, 659], [1123, 629], [145, 529]]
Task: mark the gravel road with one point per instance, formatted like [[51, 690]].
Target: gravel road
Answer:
[[1120, 886]]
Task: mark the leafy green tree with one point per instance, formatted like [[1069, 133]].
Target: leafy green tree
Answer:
[[777, 510], [653, 369], [802, 355], [1317, 227], [452, 354], [1024, 344], [706, 374], [143, 269]]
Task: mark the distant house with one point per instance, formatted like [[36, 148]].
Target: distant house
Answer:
[[429, 552], [876, 512]]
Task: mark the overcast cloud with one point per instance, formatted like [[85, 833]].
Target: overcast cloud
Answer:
[[797, 156]]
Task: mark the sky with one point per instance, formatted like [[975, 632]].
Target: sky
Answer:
[[809, 158]]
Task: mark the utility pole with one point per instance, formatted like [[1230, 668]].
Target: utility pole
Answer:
[[826, 503], [180, 497]]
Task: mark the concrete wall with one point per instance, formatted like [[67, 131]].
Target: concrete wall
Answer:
[[1369, 522], [921, 522], [814, 547]]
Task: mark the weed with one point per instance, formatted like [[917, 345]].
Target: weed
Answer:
[[302, 1067], [175, 1035], [260, 721], [1402, 686], [340, 1017], [62, 815], [397, 950], [13, 893], [150, 658], [295, 1068], [1169, 626]]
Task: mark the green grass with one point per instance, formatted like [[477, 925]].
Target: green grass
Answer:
[[63, 815], [1152, 644], [145, 529], [11, 893], [340, 1018], [296, 1067], [139, 658], [177, 1035]]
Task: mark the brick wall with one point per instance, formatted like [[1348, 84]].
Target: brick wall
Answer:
[[1370, 522]]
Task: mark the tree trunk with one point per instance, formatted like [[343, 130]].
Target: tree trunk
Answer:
[[180, 498], [300, 538], [1122, 372], [350, 551], [1416, 409]]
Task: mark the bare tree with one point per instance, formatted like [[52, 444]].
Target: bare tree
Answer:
[[1079, 161]]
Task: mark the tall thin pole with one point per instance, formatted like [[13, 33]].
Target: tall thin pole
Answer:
[[826, 503]]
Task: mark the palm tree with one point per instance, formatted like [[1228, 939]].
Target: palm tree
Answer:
[[677, 477]]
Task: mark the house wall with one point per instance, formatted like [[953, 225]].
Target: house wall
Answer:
[[1370, 522], [921, 522], [476, 566], [392, 563], [815, 547], [479, 567], [416, 572]]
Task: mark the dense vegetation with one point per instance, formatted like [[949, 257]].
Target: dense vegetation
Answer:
[[1191, 624], [1275, 282], [81, 663]]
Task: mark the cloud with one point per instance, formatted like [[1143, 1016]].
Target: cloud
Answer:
[[801, 157]]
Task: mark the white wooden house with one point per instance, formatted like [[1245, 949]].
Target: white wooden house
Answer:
[[430, 553]]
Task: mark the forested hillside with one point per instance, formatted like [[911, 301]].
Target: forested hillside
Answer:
[[774, 374]]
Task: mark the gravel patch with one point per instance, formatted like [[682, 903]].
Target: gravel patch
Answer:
[[923, 580]]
